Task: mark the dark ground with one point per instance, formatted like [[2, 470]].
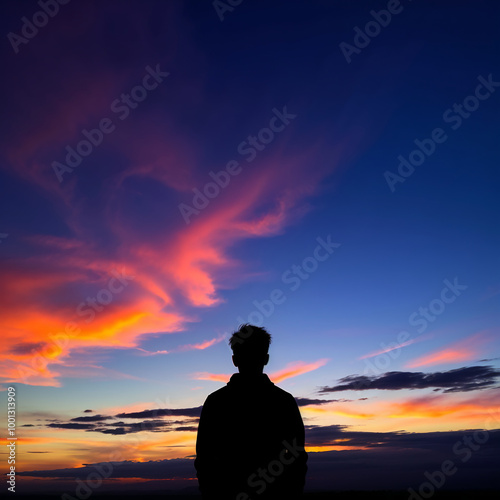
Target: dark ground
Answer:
[[339, 495]]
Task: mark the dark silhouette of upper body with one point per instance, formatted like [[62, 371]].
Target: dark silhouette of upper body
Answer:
[[250, 441]]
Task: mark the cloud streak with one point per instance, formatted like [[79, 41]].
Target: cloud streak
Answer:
[[295, 369], [394, 347], [186, 347], [465, 350]]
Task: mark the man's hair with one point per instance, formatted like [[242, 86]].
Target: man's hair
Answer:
[[250, 341]]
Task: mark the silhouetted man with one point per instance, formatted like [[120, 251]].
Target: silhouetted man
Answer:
[[251, 436]]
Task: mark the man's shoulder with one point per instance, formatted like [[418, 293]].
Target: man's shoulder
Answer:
[[281, 393], [221, 392], [273, 390], [217, 397]]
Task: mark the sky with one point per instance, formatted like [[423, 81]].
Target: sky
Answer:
[[328, 170]]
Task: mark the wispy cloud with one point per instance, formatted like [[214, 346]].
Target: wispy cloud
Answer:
[[394, 347], [297, 368], [319, 402], [186, 347], [467, 349], [152, 353], [214, 377], [202, 345]]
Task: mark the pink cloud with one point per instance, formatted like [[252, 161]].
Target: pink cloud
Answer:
[[296, 368], [214, 377], [466, 349]]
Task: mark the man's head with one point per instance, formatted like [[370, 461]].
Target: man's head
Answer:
[[250, 345]]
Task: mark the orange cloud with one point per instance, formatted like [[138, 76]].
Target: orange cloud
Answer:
[[295, 369], [480, 407], [214, 377], [202, 345], [311, 449], [465, 350], [343, 410]]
